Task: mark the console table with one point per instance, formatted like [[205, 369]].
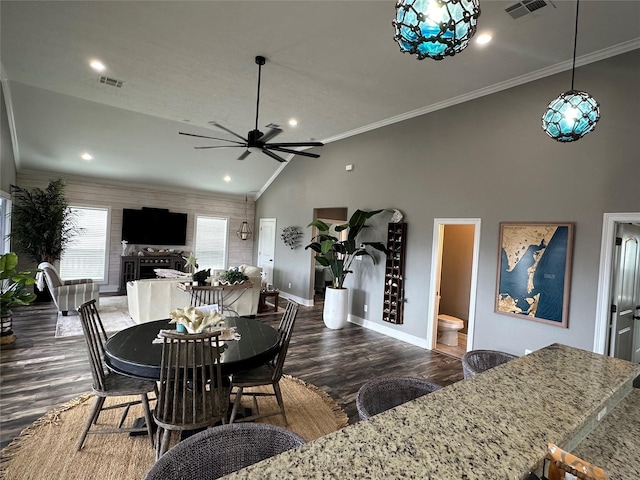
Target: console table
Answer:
[[210, 294], [136, 267]]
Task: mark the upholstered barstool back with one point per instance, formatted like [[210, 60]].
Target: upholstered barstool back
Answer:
[[67, 295]]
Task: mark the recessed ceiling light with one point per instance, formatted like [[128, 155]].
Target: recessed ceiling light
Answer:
[[97, 65], [483, 39], [293, 122], [86, 156], [227, 178]]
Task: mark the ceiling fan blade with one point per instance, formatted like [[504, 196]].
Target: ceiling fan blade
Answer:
[[219, 146], [295, 152], [297, 144], [227, 130], [244, 154], [270, 134], [273, 155], [210, 138]]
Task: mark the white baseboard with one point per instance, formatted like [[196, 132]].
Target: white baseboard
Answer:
[[390, 332], [302, 301]]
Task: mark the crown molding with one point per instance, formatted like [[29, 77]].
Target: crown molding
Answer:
[[498, 87]]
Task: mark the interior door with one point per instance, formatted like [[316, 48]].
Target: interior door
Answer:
[[267, 247], [625, 342]]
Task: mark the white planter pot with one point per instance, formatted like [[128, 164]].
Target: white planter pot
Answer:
[[336, 303]]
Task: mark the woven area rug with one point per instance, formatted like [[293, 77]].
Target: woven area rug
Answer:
[[47, 449], [114, 313]]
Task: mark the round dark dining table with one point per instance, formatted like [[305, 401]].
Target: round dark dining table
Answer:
[[132, 351]]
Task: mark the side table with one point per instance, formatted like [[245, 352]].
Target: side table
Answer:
[[264, 294]]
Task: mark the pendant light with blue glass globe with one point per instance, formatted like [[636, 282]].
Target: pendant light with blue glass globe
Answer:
[[574, 113], [435, 28]]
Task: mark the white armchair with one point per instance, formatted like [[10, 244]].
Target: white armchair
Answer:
[[70, 294]]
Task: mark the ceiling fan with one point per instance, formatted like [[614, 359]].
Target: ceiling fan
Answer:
[[256, 140]]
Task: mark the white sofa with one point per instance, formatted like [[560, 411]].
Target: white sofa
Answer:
[[153, 298]]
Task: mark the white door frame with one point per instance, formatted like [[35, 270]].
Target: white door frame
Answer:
[[607, 252], [432, 325], [269, 273]]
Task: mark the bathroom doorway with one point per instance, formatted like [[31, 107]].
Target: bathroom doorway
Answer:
[[454, 280]]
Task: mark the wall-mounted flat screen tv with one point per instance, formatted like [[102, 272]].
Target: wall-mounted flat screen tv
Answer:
[[154, 226]]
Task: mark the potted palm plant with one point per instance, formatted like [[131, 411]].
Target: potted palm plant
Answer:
[[338, 255], [42, 224], [13, 292]]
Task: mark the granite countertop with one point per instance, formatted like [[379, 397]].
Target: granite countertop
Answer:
[[496, 425], [615, 443]]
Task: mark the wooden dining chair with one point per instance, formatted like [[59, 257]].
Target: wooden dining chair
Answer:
[[193, 393], [110, 384], [269, 373]]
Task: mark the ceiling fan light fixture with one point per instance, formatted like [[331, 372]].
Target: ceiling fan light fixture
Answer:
[[573, 114], [257, 141], [435, 28]]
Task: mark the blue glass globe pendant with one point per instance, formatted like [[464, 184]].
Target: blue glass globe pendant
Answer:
[[435, 28], [571, 116]]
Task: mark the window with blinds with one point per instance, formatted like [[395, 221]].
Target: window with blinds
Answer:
[[211, 242], [86, 255], [5, 223]]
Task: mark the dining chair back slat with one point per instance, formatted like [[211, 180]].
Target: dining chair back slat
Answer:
[[193, 392], [95, 337]]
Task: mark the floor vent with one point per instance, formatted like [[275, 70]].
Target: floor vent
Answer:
[[112, 82], [526, 7]]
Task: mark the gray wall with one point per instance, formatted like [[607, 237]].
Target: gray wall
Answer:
[[7, 161], [489, 159]]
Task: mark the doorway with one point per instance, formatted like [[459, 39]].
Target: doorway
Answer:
[[454, 284], [617, 331], [267, 248], [321, 276]]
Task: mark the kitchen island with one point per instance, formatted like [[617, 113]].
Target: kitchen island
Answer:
[[494, 426]]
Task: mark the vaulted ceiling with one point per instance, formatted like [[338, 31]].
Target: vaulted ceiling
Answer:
[[332, 65]]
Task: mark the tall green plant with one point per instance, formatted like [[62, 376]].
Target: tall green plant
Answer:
[[339, 254], [42, 223]]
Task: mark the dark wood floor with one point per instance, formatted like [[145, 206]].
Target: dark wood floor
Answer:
[[40, 371]]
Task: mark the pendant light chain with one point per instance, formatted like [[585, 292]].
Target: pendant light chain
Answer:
[[575, 45]]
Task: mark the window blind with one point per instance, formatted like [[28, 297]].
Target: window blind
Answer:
[[86, 255], [211, 242]]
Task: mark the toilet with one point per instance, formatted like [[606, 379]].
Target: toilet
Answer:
[[448, 328]]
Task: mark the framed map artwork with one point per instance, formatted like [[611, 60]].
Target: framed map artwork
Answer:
[[534, 271]]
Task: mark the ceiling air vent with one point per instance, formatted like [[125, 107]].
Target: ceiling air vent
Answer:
[[112, 82], [526, 7]]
